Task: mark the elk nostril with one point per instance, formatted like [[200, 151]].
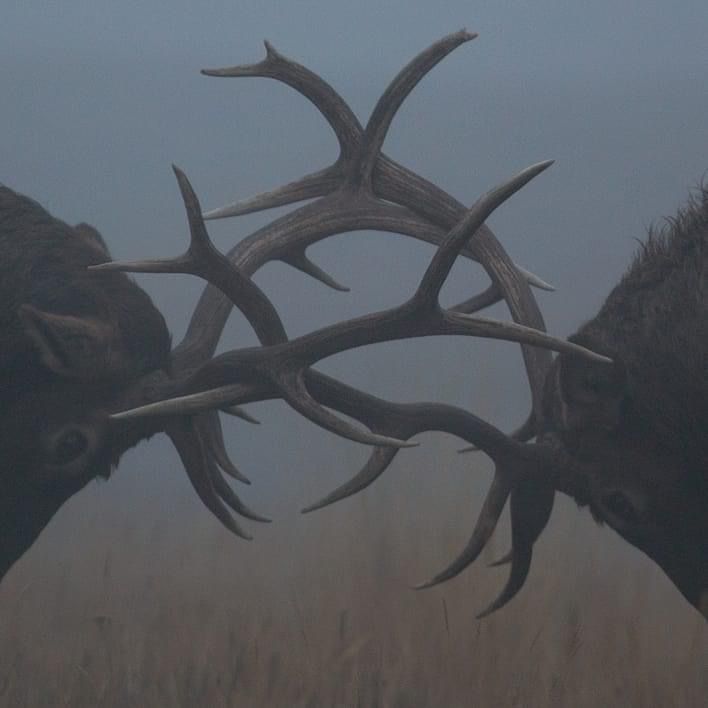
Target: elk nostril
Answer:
[[69, 446], [620, 505]]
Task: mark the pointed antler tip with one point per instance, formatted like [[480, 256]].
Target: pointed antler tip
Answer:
[[424, 585], [179, 174], [312, 507], [322, 503], [496, 605]]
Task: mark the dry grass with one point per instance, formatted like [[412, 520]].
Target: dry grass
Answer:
[[112, 611]]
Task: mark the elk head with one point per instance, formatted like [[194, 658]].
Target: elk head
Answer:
[[72, 340], [636, 430]]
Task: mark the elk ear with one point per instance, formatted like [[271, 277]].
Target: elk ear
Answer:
[[74, 347], [92, 237], [591, 392]]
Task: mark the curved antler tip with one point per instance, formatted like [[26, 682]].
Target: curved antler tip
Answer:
[[222, 72], [240, 413], [271, 51], [181, 176], [427, 584], [313, 507], [504, 560], [485, 613], [542, 165]]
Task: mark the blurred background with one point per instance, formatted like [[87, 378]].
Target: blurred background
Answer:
[[134, 593]]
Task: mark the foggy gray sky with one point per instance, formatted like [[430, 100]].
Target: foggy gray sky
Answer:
[[98, 98]]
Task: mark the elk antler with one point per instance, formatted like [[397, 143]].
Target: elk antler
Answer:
[[363, 189]]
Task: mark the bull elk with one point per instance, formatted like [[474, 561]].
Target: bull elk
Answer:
[[618, 419]]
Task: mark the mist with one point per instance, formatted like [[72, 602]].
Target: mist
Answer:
[[99, 99]]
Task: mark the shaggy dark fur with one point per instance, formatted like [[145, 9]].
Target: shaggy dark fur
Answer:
[[656, 322], [638, 430], [54, 436]]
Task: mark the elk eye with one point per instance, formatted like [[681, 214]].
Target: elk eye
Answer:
[[593, 384], [69, 446], [619, 505]]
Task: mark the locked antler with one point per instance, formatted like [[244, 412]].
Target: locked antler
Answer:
[[363, 189]]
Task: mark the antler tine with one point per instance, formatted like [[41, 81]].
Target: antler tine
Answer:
[[293, 390], [525, 529], [328, 102], [300, 261], [526, 432], [400, 420], [209, 427], [504, 560], [236, 412], [533, 279], [282, 364], [227, 495], [394, 95], [189, 446], [520, 565], [192, 404], [314, 185], [203, 260], [446, 255], [373, 468], [478, 302], [486, 523]]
